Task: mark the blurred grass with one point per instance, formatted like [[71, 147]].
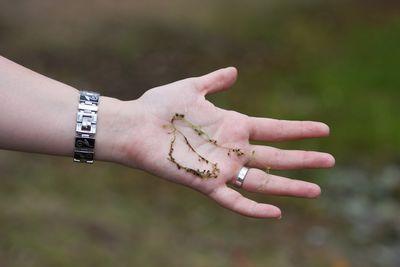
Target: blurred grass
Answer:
[[334, 61]]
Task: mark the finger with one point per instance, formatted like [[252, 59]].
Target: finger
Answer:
[[259, 181], [264, 129], [216, 81], [278, 159], [233, 200]]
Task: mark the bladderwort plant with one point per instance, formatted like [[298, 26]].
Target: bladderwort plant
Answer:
[[214, 170]]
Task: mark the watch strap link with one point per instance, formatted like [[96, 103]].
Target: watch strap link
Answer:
[[86, 122]]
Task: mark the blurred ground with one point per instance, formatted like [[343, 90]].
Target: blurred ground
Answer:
[[335, 61]]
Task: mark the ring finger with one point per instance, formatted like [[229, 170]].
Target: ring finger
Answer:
[[259, 181]]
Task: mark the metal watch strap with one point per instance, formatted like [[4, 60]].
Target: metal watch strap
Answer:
[[86, 122]]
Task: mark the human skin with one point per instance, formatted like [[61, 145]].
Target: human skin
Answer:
[[38, 114]]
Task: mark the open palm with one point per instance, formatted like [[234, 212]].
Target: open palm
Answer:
[[208, 137]]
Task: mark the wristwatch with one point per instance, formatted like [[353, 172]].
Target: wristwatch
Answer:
[[86, 122]]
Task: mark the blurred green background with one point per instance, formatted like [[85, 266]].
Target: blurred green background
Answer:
[[334, 61]]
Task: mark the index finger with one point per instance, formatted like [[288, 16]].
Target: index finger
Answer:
[[264, 129]]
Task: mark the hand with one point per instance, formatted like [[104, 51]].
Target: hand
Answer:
[[147, 139]]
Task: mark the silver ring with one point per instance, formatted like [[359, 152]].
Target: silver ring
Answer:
[[240, 177]]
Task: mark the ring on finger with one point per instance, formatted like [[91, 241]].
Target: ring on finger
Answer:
[[239, 179]]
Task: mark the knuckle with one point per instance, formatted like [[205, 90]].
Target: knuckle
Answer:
[[264, 183], [236, 203], [195, 82], [305, 159], [252, 211], [278, 154]]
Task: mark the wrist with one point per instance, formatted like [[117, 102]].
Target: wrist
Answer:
[[116, 127]]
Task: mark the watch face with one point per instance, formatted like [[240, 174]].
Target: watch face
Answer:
[[87, 96], [84, 143]]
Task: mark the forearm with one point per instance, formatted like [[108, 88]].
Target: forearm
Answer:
[[38, 114]]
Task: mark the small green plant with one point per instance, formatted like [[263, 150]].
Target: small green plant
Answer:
[[214, 170]]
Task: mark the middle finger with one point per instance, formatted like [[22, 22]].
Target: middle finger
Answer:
[[269, 157]]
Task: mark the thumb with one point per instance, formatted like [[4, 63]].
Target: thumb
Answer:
[[216, 81]]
